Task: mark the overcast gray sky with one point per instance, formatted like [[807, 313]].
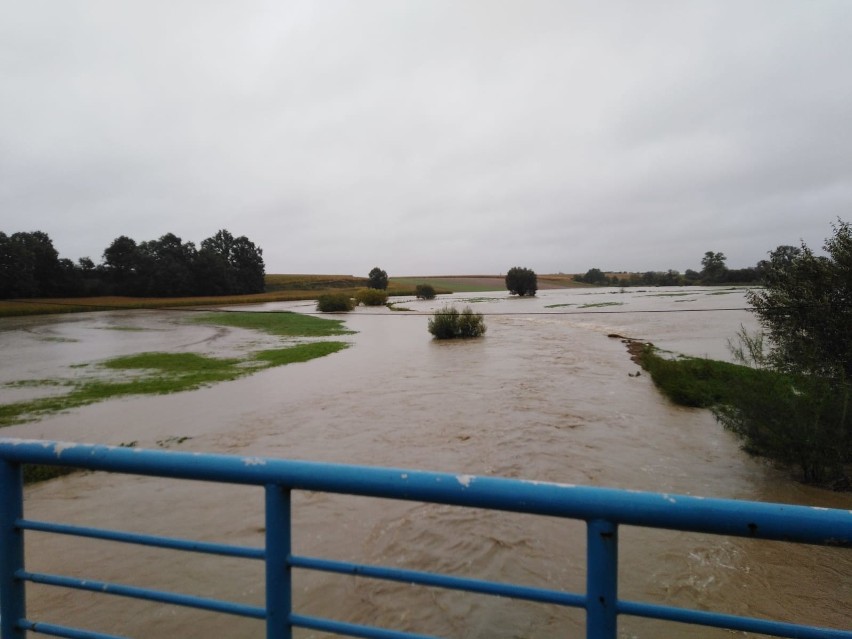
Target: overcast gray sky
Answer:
[[430, 136]]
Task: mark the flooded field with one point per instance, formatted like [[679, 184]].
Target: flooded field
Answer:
[[545, 395]]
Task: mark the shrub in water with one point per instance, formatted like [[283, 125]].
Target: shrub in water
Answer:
[[448, 323], [371, 297], [335, 303], [470, 323], [425, 292], [444, 322]]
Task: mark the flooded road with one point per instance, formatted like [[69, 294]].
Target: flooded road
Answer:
[[545, 395]]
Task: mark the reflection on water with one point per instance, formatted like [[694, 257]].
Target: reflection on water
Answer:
[[545, 395]]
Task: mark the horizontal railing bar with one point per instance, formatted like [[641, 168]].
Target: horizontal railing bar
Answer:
[[528, 593], [64, 631], [801, 524], [121, 590], [730, 622], [351, 629], [171, 543]]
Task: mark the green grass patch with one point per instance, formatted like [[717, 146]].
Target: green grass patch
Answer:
[[558, 305], [700, 383], [799, 422], [174, 363], [162, 373], [300, 353], [285, 324]]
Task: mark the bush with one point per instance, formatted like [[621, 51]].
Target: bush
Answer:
[[448, 323], [444, 322], [425, 292], [371, 297], [521, 281], [335, 303]]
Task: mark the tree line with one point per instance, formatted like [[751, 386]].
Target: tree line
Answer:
[[31, 267], [714, 271]]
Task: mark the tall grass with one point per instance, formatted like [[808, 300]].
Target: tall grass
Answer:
[[448, 323]]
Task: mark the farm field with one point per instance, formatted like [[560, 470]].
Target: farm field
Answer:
[[279, 288]]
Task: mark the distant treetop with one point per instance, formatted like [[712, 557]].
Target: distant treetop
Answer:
[[378, 279], [521, 281]]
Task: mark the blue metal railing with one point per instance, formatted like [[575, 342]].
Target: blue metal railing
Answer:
[[603, 510]]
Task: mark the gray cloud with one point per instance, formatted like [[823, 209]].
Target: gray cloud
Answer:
[[430, 137]]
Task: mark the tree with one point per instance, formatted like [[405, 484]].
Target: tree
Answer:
[[805, 307], [12, 273], [167, 267], [800, 415], [593, 276], [121, 263], [247, 262], [378, 278], [29, 266], [521, 281], [713, 267], [231, 265]]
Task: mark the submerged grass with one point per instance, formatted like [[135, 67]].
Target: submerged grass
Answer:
[[402, 309], [173, 363], [600, 304], [160, 373], [277, 323], [300, 353], [681, 294]]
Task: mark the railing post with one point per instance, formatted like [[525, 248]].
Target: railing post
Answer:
[[12, 594], [278, 572], [601, 580]]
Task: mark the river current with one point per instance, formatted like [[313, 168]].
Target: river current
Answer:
[[546, 395]]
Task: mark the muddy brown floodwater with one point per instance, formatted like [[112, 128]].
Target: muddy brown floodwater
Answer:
[[542, 396]]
